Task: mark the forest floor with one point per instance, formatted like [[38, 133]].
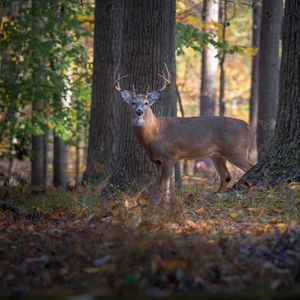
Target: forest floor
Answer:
[[61, 244]]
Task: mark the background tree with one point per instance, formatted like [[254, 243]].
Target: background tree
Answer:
[[103, 128], [43, 42], [209, 64], [209, 67], [148, 42], [222, 56], [282, 160], [271, 19], [256, 18]]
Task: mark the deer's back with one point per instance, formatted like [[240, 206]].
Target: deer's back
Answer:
[[201, 136]]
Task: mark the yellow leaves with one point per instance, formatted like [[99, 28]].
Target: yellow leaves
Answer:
[[236, 215], [193, 20], [159, 264], [191, 224], [250, 51], [255, 210], [126, 203], [86, 18], [4, 20], [282, 226], [202, 212]]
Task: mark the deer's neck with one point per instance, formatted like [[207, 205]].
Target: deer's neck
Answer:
[[150, 128]]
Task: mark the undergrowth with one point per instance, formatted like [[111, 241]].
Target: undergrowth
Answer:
[[199, 242]]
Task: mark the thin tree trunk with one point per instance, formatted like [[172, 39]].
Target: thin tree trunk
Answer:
[[177, 171], [222, 56], [37, 162], [45, 156], [11, 166], [152, 27], [59, 161], [282, 160], [77, 158], [209, 67], [177, 167], [254, 78], [38, 182], [271, 19], [45, 148], [104, 124]]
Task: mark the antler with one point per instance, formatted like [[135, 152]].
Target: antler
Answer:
[[167, 80], [116, 84], [133, 87]]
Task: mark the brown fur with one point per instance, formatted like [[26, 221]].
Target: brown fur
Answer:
[[168, 139]]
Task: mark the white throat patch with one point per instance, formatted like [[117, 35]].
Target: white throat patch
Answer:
[[138, 122]]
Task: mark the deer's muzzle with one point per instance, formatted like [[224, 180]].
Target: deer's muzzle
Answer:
[[139, 112]]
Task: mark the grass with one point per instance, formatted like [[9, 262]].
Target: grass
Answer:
[[198, 243]]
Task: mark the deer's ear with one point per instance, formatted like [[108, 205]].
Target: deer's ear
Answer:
[[154, 96], [126, 95]]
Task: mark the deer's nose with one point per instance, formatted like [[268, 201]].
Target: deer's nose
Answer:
[[139, 112]]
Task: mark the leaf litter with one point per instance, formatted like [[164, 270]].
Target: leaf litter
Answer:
[[193, 244]]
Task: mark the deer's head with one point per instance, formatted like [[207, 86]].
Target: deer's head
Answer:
[[140, 103]]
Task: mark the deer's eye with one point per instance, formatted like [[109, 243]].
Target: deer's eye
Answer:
[[133, 103], [146, 103]]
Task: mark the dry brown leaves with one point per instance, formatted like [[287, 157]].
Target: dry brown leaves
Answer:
[[138, 246]]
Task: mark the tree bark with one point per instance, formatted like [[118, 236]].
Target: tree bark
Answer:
[[38, 183], [222, 56], [148, 42], [45, 156], [209, 66], [38, 180], [282, 160], [271, 19], [104, 124], [60, 156], [254, 78], [77, 159], [209, 70]]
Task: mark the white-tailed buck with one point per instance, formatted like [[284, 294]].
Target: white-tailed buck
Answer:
[[169, 139]]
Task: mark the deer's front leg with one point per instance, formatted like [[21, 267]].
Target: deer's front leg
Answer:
[[164, 183]]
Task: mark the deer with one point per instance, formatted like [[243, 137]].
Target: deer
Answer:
[[169, 139]]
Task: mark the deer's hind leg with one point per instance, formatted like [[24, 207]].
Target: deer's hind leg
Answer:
[[220, 165]]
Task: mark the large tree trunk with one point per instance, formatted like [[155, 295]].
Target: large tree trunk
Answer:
[[282, 160], [148, 43], [271, 19], [104, 112], [209, 68], [254, 78]]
